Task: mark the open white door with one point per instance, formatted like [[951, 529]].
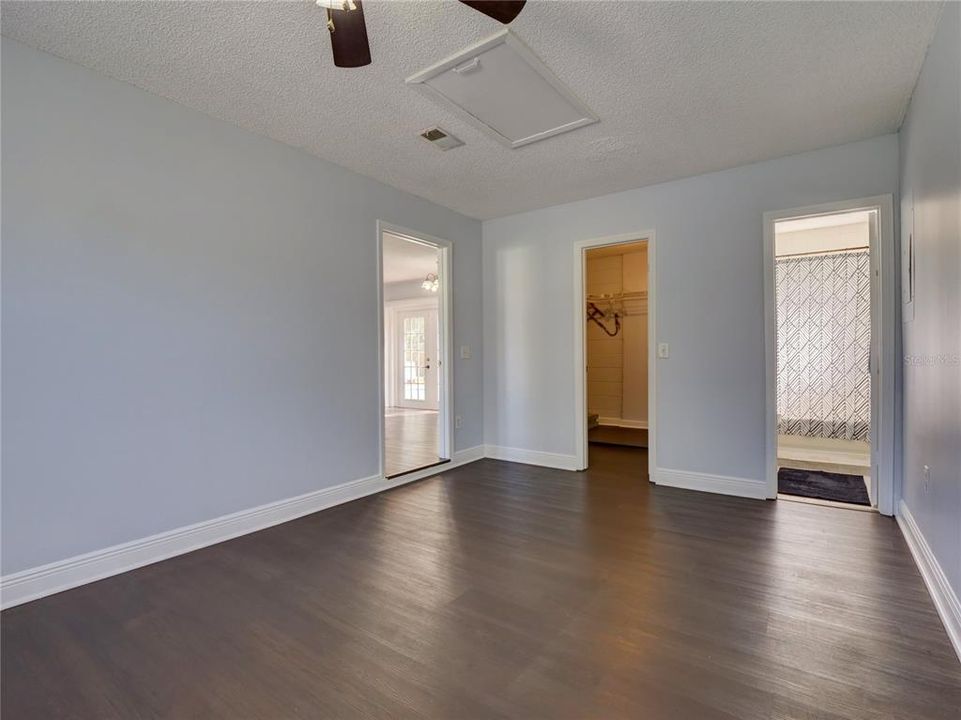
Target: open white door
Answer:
[[874, 367]]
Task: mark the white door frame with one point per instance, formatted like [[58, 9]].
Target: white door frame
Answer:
[[580, 340], [392, 309], [883, 355], [445, 399]]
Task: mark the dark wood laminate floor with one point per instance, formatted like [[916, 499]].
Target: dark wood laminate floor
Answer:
[[499, 590]]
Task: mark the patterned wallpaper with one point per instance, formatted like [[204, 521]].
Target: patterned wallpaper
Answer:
[[823, 345]]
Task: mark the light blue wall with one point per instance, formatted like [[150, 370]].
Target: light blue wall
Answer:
[[709, 303], [189, 314], [931, 187]]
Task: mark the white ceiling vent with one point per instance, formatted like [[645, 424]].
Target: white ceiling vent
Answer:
[[500, 86]]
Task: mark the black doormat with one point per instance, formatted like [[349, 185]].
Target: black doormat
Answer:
[[823, 485]]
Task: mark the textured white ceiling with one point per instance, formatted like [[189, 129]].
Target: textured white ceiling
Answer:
[[680, 88], [405, 260]]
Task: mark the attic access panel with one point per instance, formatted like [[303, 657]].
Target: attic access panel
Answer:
[[501, 87]]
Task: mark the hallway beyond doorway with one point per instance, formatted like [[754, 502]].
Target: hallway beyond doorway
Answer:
[[416, 383], [410, 440]]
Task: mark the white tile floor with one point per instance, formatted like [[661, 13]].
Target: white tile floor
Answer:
[[805, 453]]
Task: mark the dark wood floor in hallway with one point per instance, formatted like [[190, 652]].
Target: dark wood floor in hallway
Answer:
[[499, 590]]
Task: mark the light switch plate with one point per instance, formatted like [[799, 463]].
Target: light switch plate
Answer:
[[465, 352], [663, 351]]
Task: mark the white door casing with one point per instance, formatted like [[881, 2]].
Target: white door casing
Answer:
[[580, 248], [442, 305], [883, 357]]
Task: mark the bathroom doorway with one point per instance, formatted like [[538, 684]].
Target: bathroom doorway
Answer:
[[824, 331]]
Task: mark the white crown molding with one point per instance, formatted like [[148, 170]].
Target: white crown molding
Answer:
[[944, 597], [34, 583], [703, 482]]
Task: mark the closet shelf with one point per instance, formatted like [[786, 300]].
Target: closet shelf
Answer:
[[617, 304], [637, 294]]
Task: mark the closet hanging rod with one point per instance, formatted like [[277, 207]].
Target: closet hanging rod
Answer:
[[618, 296]]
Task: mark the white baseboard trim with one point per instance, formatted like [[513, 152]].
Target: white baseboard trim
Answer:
[[719, 484], [462, 457], [34, 583], [620, 422], [531, 457], [943, 595]]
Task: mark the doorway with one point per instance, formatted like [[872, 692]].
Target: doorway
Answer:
[[829, 439], [414, 353], [614, 372], [616, 332]]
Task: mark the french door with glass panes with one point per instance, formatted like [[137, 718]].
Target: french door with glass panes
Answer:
[[417, 361]]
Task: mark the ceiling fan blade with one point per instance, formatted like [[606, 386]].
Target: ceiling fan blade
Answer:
[[348, 37], [501, 10]]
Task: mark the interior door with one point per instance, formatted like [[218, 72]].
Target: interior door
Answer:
[[874, 363], [417, 375]]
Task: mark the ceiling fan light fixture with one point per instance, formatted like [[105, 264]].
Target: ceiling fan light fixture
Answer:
[[348, 32], [431, 282], [348, 29]]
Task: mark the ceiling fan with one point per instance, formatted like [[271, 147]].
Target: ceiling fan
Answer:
[[348, 31]]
